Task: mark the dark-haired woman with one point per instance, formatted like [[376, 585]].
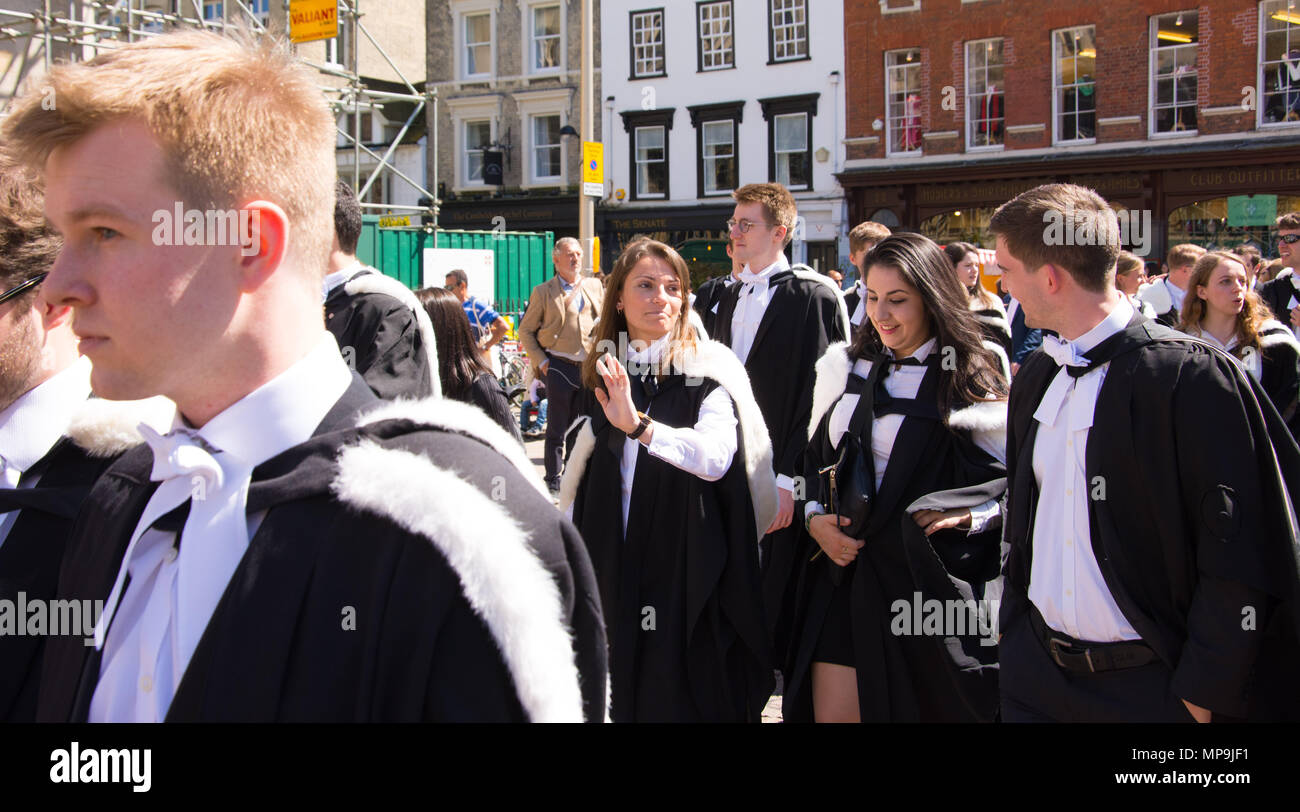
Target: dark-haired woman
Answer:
[[1221, 310], [465, 375], [923, 399], [988, 309], [670, 483]]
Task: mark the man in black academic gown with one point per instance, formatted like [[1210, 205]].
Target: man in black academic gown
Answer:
[[297, 550], [1150, 569], [778, 321], [1282, 294], [1166, 295], [44, 472], [382, 331], [862, 238]]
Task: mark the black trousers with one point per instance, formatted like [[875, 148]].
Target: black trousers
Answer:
[[1035, 689], [563, 385]]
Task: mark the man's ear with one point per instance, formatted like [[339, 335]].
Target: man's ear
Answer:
[[263, 242], [53, 316]]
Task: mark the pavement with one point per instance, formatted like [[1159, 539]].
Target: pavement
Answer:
[[534, 448]]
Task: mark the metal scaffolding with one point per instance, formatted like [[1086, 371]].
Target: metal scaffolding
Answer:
[[77, 30]]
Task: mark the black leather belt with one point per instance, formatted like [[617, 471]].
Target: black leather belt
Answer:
[[1085, 657]]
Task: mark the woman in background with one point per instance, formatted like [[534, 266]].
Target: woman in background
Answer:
[[988, 309], [464, 374]]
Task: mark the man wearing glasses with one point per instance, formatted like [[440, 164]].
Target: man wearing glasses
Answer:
[[44, 387], [1283, 293], [778, 321]]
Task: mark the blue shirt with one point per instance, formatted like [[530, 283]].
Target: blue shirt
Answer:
[[480, 315]]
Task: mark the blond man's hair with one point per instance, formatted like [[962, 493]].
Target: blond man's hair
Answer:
[[1184, 254], [777, 202], [864, 234], [236, 118], [1026, 221]]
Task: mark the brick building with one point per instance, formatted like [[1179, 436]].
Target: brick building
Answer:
[[954, 106]]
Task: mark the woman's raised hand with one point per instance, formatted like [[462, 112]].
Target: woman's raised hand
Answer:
[[616, 399]]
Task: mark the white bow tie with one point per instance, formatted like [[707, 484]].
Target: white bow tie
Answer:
[[749, 278], [215, 532], [1063, 352], [182, 453]]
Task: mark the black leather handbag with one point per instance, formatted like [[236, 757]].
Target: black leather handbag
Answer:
[[848, 486]]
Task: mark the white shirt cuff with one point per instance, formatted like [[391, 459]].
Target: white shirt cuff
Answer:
[[785, 483], [982, 515]]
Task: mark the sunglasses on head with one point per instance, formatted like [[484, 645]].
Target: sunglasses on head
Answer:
[[20, 289]]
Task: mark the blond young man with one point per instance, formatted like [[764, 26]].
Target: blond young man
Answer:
[[1165, 296], [862, 238], [1150, 569], [290, 526], [778, 320]]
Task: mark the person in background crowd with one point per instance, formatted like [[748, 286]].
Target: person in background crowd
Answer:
[[1223, 312], [919, 429], [380, 328], [285, 486], [1146, 505], [485, 323], [556, 332], [670, 482], [1251, 261], [1268, 271], [988, 309], [1130, 276], [54, 441], [778, 320], [1165, 295], [1282, 292], [705, 299], [862, 238], [532, 412], [462, 370]]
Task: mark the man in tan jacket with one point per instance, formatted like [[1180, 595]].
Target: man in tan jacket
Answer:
[[556, 332]]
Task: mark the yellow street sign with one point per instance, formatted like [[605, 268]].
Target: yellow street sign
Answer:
[[593, 168], [310, 20]]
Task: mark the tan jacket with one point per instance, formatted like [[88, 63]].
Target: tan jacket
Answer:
[[548, 325]]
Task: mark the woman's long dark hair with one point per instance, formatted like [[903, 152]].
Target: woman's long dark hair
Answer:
[[956, 252], [922, 264], [459, 361]]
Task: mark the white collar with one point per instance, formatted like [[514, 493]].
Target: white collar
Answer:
[[1176, 294], [922, 352], [333, 280], [1210, 338], [32, 424], [1107, 327], [652, 353], [284, 411], [765, 275]]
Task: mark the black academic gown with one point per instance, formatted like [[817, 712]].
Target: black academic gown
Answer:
[[1277, 294], [681, 591], [911, 677], [706, 297], [803, 317], [1187, 458], [379, 336], [279, 646], [1279, 372], [30, 559]]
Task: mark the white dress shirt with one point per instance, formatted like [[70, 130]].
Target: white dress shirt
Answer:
[[1065, 582], [156, 626], [903, 383], [859, 312], [755, 295], [704, 450], [1176, 295], [32, 424]]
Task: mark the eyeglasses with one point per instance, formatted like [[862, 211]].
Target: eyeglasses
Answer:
[[744, 225], [22, 288], [1288, 238]]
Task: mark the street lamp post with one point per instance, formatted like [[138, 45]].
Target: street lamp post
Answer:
[[586, 204]]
